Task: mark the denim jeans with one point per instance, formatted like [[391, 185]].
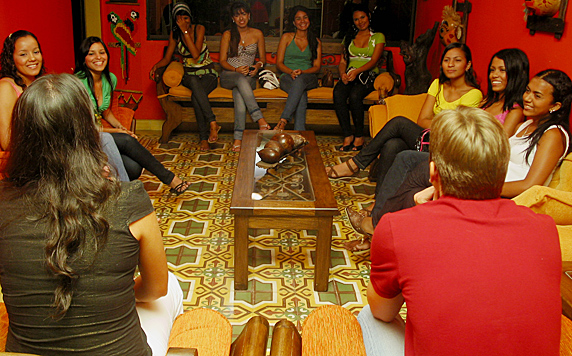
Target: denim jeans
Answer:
[[399, 134], [113, 156], [398, 181], [349, 97], [297, 101], [243, 97], [136, 157], [379, 337], [201, 87]]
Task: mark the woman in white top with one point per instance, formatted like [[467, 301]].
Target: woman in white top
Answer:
[[541, 142]]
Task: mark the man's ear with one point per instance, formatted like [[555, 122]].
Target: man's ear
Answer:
[[433, 173], [434, 177]]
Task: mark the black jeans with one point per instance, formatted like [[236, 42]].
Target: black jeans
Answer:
[[349, 97], [408, 175], [201, 87], [136, 157], [399, 134]]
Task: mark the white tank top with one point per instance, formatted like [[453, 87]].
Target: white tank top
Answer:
[[518, 167]]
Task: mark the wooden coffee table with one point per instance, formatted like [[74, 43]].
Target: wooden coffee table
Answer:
[[294, 195]]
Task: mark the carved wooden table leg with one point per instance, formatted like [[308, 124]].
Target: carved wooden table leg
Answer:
[[240, 252], [323, 254]]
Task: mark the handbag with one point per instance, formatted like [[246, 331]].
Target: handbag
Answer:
[[268, 79], [328, 79], [366, 78], [422, 144]]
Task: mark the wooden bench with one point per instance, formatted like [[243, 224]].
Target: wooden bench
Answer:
[[320, 111]]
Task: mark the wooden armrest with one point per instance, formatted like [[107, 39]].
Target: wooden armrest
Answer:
[[253, 339], [182, 351], [286, 340]]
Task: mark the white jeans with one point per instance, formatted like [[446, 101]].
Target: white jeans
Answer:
[[381, 338], [157, 317]]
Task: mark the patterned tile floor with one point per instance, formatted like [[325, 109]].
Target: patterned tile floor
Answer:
[[198, 235]]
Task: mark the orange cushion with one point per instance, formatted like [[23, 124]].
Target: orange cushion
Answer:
[[173, 74], [332, 330], [204, 329]]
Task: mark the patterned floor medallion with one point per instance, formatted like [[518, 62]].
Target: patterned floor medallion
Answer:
[[198, 234]]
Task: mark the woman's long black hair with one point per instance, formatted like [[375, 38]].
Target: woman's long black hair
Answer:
[[470, 75], [561, 93], [517, 68], [81, 68], [352, 32], [236, 8], [57, 166], [312, 39], [7, 65]]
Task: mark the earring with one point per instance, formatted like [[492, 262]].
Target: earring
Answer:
[[551, 111]]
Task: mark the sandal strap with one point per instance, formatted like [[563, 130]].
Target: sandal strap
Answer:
[[352, 169]]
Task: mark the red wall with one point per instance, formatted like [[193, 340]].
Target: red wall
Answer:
[[140, 64], [494, 25], [50, 21]]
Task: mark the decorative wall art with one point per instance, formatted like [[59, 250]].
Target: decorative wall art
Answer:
[[122, 31], [539, 16]]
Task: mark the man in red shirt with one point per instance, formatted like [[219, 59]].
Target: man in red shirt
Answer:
[[479, 274]]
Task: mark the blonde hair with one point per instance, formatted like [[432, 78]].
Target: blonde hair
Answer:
[[471, 151]]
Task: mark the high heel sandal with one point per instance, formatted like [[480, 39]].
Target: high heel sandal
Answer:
[[281, 125], [180, 188], [356, 219]]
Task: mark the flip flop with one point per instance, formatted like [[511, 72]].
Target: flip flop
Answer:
[[236, 148], [216, 133], [333, 174], [353, 246], [264, 127]]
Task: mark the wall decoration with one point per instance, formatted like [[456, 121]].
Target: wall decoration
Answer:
[[451, 27], [539, 16], [122, 31], [417, 76]]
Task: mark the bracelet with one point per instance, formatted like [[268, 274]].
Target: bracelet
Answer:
[[235, 69]]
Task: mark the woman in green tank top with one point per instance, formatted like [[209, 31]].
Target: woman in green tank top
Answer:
[[299, 58]]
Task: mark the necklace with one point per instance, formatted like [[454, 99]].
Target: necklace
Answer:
[[242, 39]]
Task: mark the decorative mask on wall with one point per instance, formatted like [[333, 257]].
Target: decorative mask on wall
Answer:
[[542, 7], [451, 28]]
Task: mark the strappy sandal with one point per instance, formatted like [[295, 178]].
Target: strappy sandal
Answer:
[[180, 188], [333, 174], [359, 247], [356, 219], [236, 148], [213, 140], [281, 125]]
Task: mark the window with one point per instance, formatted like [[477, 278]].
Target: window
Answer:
[[395, 18]]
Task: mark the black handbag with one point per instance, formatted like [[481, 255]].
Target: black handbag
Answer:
[[422, 144]]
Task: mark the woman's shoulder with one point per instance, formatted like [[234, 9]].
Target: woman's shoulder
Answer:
[[287, 36], [257, 33], [8, 85], [378, 37]]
